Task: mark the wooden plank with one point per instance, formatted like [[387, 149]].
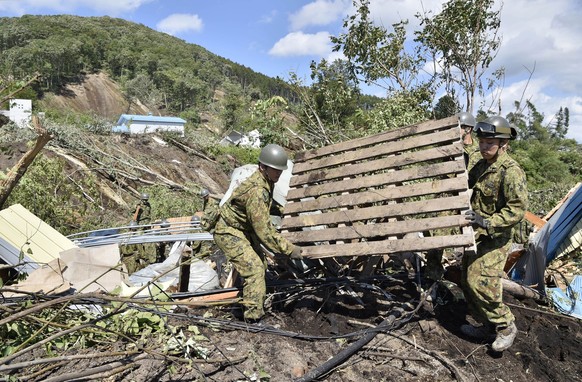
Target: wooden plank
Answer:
[[386, 247], [390, 162], [377, 138], [361, 196], [378, 180], [377, 212], [209, 299], [377, 230], [535, 220], [387, 148], [456, 184]]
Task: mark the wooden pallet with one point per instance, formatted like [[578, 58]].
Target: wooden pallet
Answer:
[[398, 191]]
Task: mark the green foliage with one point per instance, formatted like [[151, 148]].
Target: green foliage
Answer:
[[374, 53], [446, 106], [117, 323], [168, 203], [464, 39], [71, 122], [541, 163], [401, 109], [543, 199], [57, 197], [159, 69], [233, 156]]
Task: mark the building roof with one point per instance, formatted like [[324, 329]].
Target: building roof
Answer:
[[125, 118], [20, 229]]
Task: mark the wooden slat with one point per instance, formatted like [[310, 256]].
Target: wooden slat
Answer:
[[448, 185], [377, 138], [362, 197], [376, 230], [386, 148], [377, 212], [378, 180], [386, 163], [386, 247]]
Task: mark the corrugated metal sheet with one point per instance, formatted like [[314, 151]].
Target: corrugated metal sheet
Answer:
[[363, 197], [24, 231], [125, 118]]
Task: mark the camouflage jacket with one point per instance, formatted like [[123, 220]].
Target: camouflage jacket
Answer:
[[499, 194], [247, 212], [211, 214]]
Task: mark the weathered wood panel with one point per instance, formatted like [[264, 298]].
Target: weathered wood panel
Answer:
[[362, 197]]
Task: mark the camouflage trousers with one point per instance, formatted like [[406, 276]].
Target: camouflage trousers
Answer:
[[137, 256], [251, 267], [481, 282]]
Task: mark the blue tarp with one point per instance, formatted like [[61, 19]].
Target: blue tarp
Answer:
[[570, 301], [569, 215], [530, 268]]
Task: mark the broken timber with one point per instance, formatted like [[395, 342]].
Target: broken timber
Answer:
[[362, 197]]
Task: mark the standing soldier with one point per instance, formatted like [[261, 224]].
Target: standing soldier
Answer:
[[245, 223], [434, 258], [472, 154], [498, 202], [142, 211]]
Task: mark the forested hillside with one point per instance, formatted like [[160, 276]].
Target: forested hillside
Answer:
[[62, 48], [163, 74]]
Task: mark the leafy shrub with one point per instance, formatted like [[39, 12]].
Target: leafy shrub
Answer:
[[61, 200]]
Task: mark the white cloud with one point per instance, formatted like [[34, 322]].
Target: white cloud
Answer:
[[180, 22], [544, 34], [318, 13], [302, 44], [108, 7]]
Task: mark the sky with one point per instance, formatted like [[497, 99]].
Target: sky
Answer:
[[541, 48]]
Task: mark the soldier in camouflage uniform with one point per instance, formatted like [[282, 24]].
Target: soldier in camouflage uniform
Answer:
[[210, 206], [470, 145], [498, 202], [207, 219], [245, 222], [434, 258]]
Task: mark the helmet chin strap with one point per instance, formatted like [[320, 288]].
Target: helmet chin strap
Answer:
[[499, 147], [263, 170]]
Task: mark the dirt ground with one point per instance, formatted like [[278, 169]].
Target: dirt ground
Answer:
[[310, 326], [422, 346]]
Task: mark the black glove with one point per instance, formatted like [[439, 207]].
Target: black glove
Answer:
[[476, 219], [296, 254]]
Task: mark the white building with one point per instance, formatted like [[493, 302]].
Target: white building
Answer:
[[20, 111], [143, 124]]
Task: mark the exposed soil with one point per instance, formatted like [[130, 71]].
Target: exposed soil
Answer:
[[309, 325], [96, 93]]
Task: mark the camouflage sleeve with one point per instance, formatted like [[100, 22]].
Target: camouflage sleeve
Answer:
[[211, 214], [516, 201], [258, 209]]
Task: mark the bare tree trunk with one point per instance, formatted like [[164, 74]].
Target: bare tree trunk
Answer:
[[18, 171]]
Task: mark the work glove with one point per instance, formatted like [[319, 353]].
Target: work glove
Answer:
[[296, 254], [476, 219]]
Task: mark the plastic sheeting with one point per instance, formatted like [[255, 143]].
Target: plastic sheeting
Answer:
[[202, 276], [241, 173]]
